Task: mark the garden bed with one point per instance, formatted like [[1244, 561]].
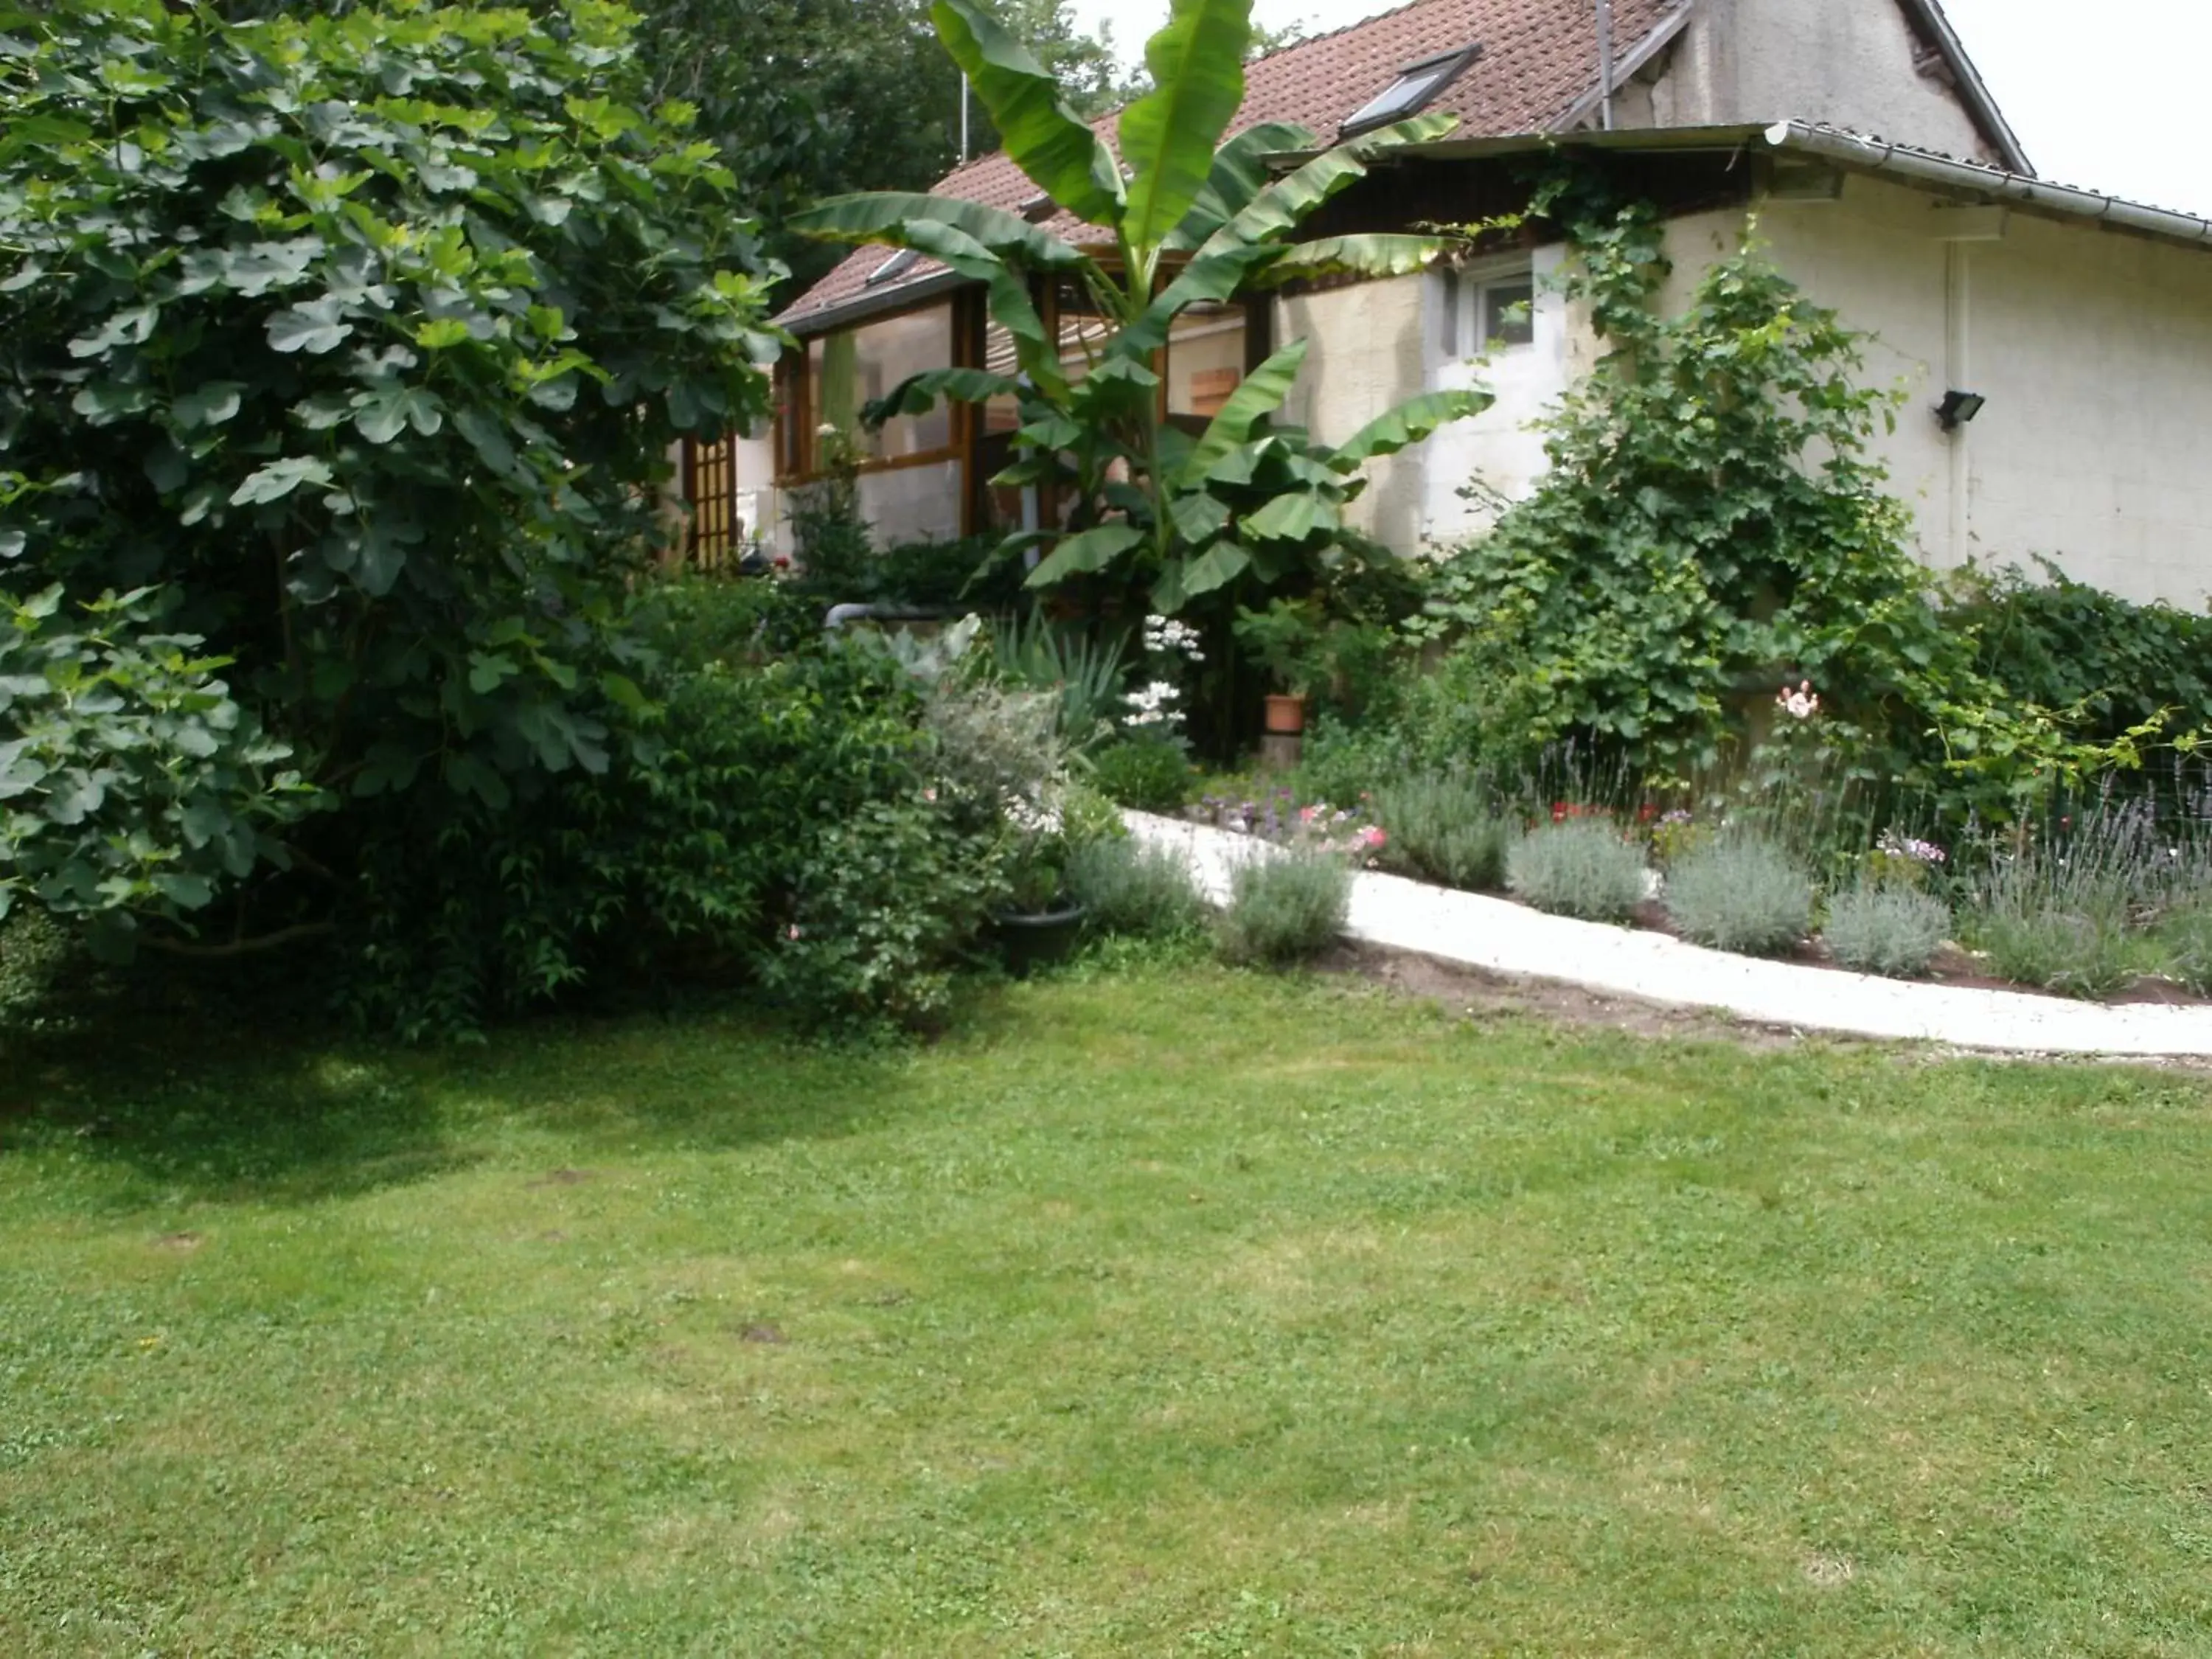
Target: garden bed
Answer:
[[1502, 936]]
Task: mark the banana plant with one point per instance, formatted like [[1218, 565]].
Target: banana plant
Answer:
[[1178, 218]]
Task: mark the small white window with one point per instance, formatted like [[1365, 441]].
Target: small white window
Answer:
[[1484, 313]]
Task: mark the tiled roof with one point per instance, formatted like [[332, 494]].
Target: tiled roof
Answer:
[[1539, 58]]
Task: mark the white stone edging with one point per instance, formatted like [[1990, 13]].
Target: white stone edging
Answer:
[[1505, 937]]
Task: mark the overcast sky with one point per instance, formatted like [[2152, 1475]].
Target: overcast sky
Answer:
[[2103, 94]]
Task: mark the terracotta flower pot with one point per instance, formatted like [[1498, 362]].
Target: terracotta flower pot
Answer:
[[1286, 714]]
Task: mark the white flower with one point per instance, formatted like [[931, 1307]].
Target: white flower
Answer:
[[1802, 703], [827, 430]]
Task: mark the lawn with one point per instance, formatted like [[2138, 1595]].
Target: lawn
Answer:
[[1169, 1312]]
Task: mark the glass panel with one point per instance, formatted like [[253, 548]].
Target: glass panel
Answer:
[[1206, 359], [1509, 312], [1001, 414], [848, 369]]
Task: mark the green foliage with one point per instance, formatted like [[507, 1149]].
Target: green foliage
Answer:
[[36, 951], [2059, 923], [780, 820], [362, 339], [1710, 525], [1582, 868], [1445, 827], [1884, 927], [1128, 887], [1148, 774], [132, 781], [2187, 936], [807, 98], [836, 551], [1740, 892], [1081, 670], [2058, 643], [1157, 512], [1284, 908]]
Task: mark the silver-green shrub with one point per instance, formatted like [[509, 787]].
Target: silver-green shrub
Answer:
[[1284, 908], [1127, 886], [1740, 892], [1583, 868], [2188, 937], [1443, 827], [1884, 927], [2058, 921]]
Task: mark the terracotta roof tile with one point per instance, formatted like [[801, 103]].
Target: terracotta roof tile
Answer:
[[1539, 58]]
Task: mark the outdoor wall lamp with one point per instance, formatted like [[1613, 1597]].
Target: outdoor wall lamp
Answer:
[[1958, 407]]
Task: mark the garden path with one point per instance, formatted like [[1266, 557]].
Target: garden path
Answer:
[[1505, 937]]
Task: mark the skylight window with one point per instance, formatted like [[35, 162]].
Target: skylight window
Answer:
[[893, 268], [1410, 93]]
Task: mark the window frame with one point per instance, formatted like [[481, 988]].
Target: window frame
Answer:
[[1466, 309], [1399, 101]]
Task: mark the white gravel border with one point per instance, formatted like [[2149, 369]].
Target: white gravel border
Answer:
[[1511, 938]]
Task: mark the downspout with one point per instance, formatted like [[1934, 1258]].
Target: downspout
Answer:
[[1958, 369], [1605, 64]]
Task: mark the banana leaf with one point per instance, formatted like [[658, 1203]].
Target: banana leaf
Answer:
[[1068, 161], [1168, 135]]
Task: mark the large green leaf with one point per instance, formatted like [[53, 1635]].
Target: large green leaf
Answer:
[[918, 393], [1259, 395], [1013, 310], [1168, 135], [1239, 174], [1092, 549], [886, 215], [1183, 579], [1069, 162], [1408, 423], [1285, 204], [1359, 256], [1203, 281], [1293, 516]]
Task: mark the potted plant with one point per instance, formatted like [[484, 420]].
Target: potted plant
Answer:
[[1289, 638], [1040, 922]]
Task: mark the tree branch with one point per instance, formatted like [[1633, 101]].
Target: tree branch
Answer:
[[240, 947]]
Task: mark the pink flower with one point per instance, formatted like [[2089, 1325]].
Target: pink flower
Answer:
[[930, 795], [794, 931], [1306, 814], [1373, 836]]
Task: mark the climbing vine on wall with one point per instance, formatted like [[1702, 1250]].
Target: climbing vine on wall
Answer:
[[1712, 525]]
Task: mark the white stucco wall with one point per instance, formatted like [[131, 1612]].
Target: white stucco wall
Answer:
[[1848, 62], [1367, 349], [2093, 348]]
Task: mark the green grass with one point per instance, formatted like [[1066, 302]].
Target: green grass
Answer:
[[1172, 1312]]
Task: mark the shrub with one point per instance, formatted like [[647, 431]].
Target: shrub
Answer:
[[2082, 953], [2063, 644], [1145, 773], [1739, 893], [36, 951], [424, 300], [1883, 927], [792, 792], [2056, 915], [1284, 908], [1082, 673], [1580, 868], [1443, 827], [1129, 886], [2188, 938]]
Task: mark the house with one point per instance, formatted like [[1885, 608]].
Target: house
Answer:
[[1883, 177]]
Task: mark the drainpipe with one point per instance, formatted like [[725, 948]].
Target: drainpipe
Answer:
[[1605, 63], [1958, 370], [964, 120]]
